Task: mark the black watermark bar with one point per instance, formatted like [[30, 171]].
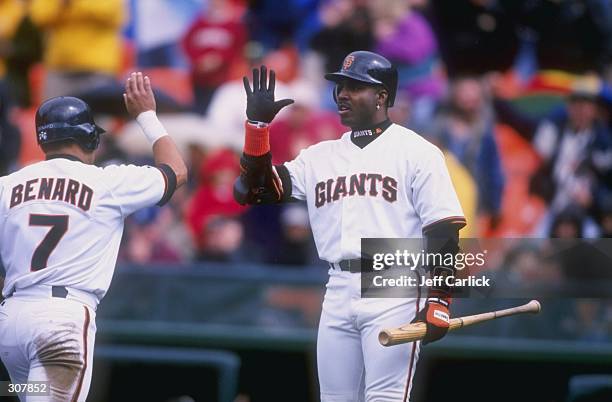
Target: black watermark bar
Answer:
[[498, 268]]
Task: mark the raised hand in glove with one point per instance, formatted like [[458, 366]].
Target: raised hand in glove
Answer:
[[436, 316], [261, 106]]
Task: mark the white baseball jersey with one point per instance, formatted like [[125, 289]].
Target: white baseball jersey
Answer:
[[61, 221], [394, 187]]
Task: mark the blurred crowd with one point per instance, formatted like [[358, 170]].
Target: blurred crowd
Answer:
[[517, 93]]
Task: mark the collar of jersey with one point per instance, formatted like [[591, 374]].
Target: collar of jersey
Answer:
[[63, 156], [365, 136]]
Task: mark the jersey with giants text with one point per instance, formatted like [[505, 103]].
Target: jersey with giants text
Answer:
[[394, 187], [61, 221]]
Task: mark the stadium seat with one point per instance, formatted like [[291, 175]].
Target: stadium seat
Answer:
[[174, 82]]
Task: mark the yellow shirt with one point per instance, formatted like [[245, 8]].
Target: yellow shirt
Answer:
[[81, 35], [11, 14], [467, 192]]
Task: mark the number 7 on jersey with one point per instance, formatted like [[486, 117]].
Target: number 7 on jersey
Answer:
[[59, 226]]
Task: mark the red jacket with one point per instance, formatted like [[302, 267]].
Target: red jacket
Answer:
[[212, 46]]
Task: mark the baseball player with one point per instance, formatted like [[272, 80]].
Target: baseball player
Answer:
[[379, 180], [61, 222]]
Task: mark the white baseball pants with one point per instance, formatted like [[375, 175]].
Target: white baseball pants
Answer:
[[352, 365], [48, 339]]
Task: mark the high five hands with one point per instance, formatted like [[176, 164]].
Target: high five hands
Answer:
[[260, 100], [138, 96]]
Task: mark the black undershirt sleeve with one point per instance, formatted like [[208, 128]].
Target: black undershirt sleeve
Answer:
[[257, 183], [285, 177], [170, 180], [442, 238]]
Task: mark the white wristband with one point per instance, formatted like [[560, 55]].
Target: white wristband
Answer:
[[151, 126]]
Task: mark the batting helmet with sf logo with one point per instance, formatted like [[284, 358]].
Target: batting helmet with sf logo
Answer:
[[370, 68]]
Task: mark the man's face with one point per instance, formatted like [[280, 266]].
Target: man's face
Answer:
[[582, 113], [467, 95], [357, 103]]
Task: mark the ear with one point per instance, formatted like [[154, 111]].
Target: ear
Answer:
[[383, 96]]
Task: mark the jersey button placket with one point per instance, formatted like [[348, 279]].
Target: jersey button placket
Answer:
[[350, 224]]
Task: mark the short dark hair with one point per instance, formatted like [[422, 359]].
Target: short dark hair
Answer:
[[56, 146]]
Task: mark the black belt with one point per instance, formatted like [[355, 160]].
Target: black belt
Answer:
[[56, 291], [59, 291], [353, 266]]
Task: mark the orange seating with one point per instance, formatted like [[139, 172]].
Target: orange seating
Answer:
[[520, 210], [174, 82]]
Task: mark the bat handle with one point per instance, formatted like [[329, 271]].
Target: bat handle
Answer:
[[408, 333]]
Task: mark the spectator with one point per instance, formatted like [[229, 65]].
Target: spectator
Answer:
[[83, 43], [227, 106], [467, 192], [146, 242], [24, 51], [297, 245], [18, 45], [346, 27], [10, 139], [221, 241], [213, 44], [587, 323], [173, 226], [274, 23], [405, 37], [301, 126], [568, 224], [157, 43], [11, 14], [604, 217], [526, 268], [465, 127], [214, 195], [264, 232], [475, 36], [580, 38], [579, 260], [576, 149]]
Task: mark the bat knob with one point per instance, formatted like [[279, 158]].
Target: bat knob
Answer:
[[534, 306], [384, 338]]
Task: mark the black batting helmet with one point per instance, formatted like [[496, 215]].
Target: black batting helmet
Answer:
[[67, 118], [370, 68]]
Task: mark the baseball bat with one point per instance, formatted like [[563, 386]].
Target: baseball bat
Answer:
[[414, 332]]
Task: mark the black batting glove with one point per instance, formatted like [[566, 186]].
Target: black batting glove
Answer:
[[260, 101]]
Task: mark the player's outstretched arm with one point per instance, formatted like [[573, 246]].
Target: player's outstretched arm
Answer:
[[259, 181], [140, 104]]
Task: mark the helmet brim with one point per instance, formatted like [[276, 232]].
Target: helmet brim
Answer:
[[341, 76]]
